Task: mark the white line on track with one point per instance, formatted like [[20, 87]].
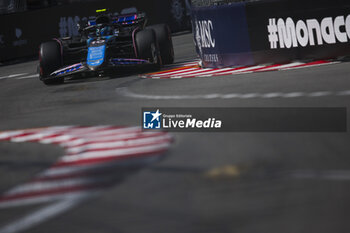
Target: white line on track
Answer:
[[13, 75], [20, 76], [336, 175], [16, 75], [45, 213], [123, 91], [29, 76]]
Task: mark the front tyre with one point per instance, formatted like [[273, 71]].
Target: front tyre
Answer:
[[147, 47], [50, 59], [165, 42]]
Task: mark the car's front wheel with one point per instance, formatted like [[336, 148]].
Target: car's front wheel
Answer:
[[50, 59], [165, 42], [147, 47]]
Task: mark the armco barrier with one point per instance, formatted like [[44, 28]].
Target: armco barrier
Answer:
[[271, 31], [22, 33]]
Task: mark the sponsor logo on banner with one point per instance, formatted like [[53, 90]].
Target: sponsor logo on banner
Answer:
[[204, 30], [289, 33], [19, 41], [205, 40]]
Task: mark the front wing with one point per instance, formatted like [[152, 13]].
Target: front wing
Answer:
[[82, 67]]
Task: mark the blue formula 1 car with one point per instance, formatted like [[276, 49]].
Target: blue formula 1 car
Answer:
[[106, 43]]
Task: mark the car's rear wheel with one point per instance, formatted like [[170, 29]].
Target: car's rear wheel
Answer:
[[165, 42], [147, 47], [50, 60]]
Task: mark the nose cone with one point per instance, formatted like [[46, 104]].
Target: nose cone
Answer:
[[93, 68]]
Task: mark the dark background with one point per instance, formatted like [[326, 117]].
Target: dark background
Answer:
[[39, 25]]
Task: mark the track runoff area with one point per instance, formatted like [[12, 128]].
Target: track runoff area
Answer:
[[193, 69], [95, 159]]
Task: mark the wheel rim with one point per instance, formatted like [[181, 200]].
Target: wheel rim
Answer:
[[155, 54]]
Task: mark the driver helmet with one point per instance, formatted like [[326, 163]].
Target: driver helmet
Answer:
[[105, 31]]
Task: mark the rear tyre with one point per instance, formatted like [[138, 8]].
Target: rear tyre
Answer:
[[147, 47], [50, 60], [165, 42]]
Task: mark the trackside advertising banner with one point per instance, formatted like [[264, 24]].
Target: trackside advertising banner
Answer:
[[287, 30], [221, 35], [276, 31]]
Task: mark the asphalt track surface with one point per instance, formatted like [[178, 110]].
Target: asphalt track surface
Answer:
[[207, 182]]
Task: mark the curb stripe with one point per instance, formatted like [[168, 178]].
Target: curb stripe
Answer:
[[95, 159], [188, 70]]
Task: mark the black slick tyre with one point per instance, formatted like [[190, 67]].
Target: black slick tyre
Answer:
[[50, 59], [165, 42], [147, 47]]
